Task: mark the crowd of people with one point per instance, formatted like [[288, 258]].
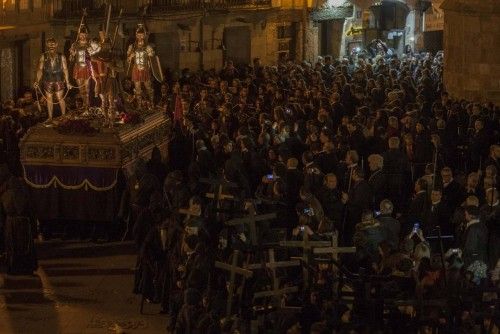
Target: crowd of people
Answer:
[[371, 152]]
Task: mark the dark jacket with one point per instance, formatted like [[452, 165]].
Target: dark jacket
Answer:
[[474, 244], [391, 229], [378, 187]]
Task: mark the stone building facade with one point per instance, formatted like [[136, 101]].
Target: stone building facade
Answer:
[[471, 48], [186, 33], [204, 34]]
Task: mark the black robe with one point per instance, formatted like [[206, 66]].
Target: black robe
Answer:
[[19, 229]]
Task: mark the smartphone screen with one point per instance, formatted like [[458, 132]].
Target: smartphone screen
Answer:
[[416, 227]]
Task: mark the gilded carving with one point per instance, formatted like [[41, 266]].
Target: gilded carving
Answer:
[[101, 154], [40, 152], [70, 152]]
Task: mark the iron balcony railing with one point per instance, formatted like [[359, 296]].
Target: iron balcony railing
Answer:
[[70, 9]]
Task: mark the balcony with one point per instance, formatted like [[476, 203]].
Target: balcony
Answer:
[[71, 9], [169, 5]]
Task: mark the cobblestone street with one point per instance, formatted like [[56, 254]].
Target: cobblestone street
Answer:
[[78, 288]]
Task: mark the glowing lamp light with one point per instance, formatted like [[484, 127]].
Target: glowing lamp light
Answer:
[[7, 27]]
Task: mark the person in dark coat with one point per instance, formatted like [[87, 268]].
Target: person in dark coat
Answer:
[[357, 201], [376, 179], [155, 165], [187, 320], [293, 180], [418, 205], [493, 157], [490, 215], [327, 159], [390, 226], [397, 172], [151, 259], [330, 198], [437, 214], [479, 142], [475, 239], [313, 177], [453, 192], [19, 228], [205, 160]]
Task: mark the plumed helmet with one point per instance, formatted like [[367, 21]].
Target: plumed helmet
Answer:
[[141, 29], [83, 29]]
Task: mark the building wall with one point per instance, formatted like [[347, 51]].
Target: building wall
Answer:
[[471, 48], [176, 36]]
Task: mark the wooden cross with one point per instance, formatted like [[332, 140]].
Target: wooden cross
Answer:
[[334, 250], [307, 247], [251, 221], [233, 270], [189, 213], [218, 184], [273, 265]]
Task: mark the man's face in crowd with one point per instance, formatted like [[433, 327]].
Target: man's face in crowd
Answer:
[[203, 94], [348, 160], [447, 176], [164, 89], [435, 196], [185, 107], [496, 151], [419, 127], [372, 164], [351, 128], [331, 182], [478, 125], [472, 181], [417, 187], [323, 138]]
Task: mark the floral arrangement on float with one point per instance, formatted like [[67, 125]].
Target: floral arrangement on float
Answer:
[[76, 126]]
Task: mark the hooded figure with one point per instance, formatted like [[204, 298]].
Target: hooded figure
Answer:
[[19, 228]]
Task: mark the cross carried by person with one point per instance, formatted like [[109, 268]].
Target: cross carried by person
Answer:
[[218, 195], [307, 247], [334, 250], [233, 269], [251, 221], [273, 265]]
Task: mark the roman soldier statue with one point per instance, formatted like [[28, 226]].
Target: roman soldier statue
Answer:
[[82, 68], [51, 75], [142, 63]]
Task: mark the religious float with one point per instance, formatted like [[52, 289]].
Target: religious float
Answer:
[[74, 164], [75, 168]]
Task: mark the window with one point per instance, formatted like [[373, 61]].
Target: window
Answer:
[[284, 32], [37, 4]]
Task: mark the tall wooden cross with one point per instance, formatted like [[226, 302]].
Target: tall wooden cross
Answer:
[[334, 250], [189, 213], [251, 221], [273, 265], [233, 270], [307, 247], [218, 185]]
